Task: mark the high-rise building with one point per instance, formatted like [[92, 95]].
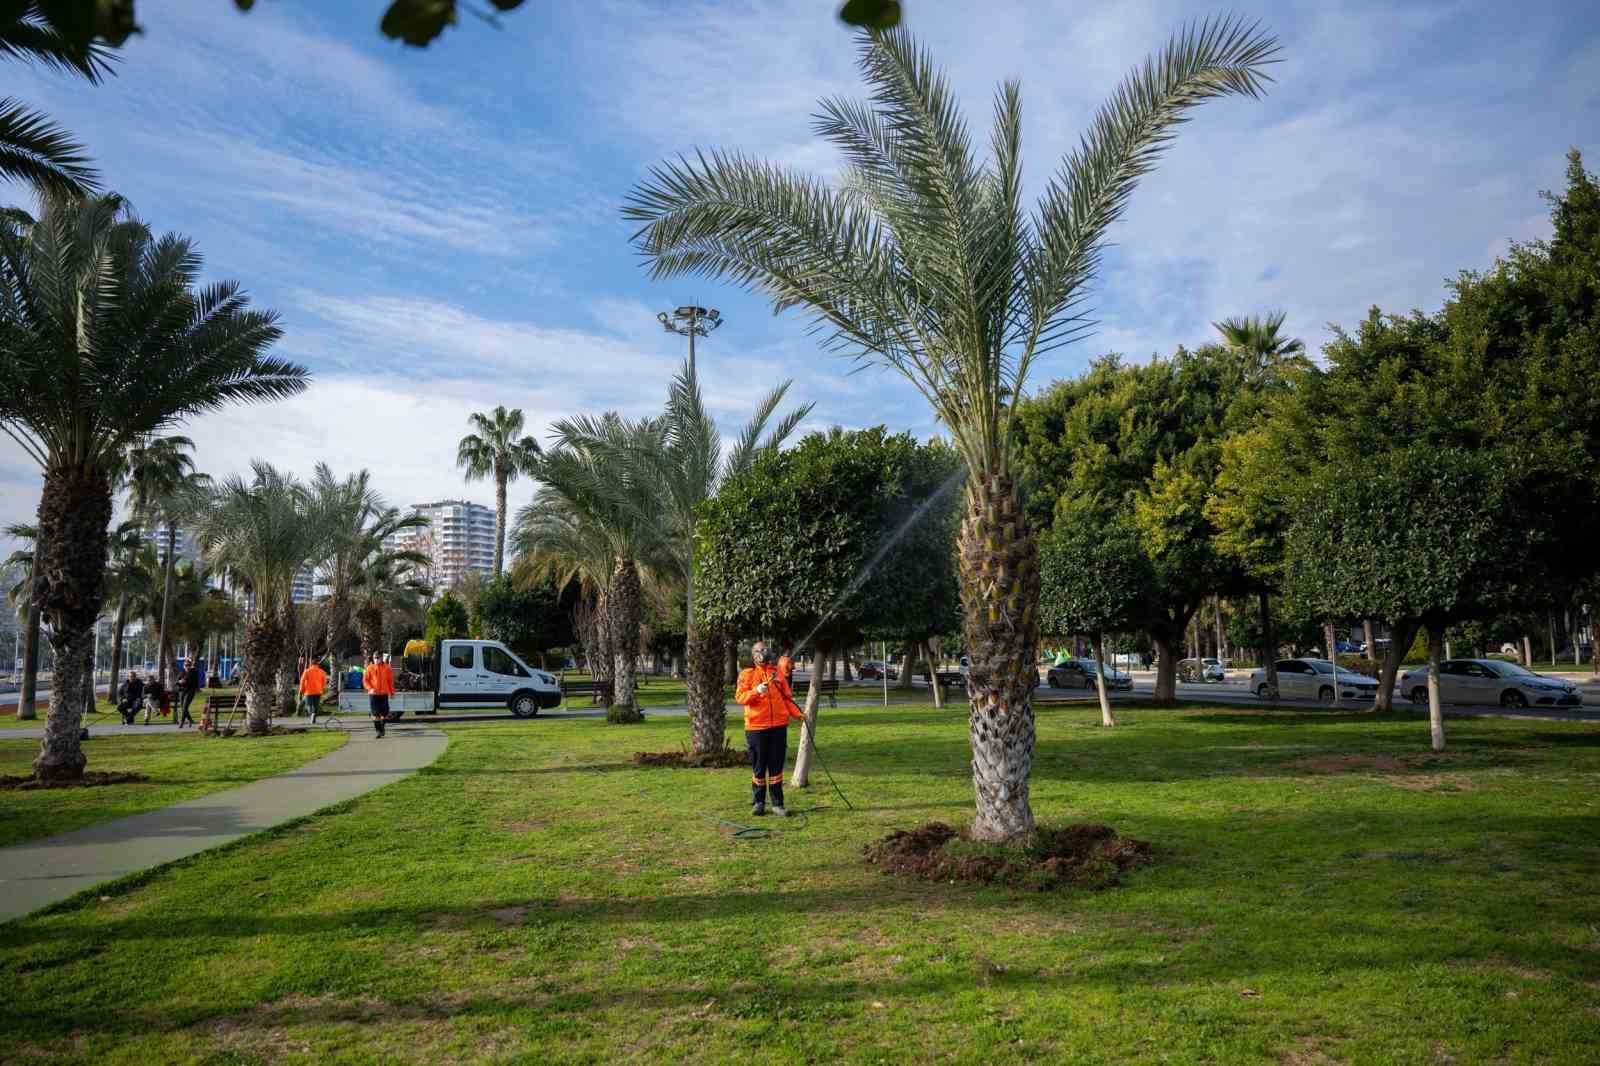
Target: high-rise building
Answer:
[[187, 551], [459, 540], [303, 590]]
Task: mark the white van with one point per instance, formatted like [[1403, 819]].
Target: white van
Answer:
[[472, 673]]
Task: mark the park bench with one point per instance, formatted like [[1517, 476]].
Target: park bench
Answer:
[[216, 704], [828, 688], [589, 688], [950, 680]]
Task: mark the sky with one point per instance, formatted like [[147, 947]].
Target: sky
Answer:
[[441, 230]]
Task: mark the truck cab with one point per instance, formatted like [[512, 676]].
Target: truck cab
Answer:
[[485, 673]]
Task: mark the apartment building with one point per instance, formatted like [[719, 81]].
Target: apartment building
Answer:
[[459, 539]]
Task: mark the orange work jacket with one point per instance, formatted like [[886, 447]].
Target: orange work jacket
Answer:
[[379, 679], [313, 682], [786, 668], [769, 709]]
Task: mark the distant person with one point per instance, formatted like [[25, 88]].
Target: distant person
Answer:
[[188, 686], [313, 683], [130, 697], [379, 683], [768, 706]]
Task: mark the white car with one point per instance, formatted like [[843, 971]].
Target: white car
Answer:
[[1491, 681], [1312, 679]]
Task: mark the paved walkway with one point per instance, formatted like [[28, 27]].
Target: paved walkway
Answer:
[[42, 872]]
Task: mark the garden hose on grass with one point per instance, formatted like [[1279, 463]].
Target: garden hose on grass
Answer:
[[756, 832], [831, 781]]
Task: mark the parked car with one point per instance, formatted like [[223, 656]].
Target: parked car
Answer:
[[1201, 670], [1313, 679], [1079, 673], [871, 670], [1490, 681]]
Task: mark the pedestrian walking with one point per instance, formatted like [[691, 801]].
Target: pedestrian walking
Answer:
[[313, 683], [379, 683], [768, 706], [188, 686]]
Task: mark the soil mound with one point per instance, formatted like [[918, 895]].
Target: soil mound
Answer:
[[714, 760], [90, 779], [1084, 855]]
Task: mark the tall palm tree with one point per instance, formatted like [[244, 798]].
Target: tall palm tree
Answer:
[[264, 530], [927, 262], [551, 537], [618, 501], [27, 606], [163, 488], [689, 469], [1260, 339], [498, 450], [32, 148], [105, 340], [131, 581], [386, 584]]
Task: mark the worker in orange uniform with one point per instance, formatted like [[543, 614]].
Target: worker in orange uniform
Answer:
[[313, 683], [378, 680], [786, 668], [768, 706]]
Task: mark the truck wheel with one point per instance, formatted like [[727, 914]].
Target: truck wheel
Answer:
[[524, 705]]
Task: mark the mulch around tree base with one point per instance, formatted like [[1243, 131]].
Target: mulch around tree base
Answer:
[[721, 759], [1084, 855], [91, 779]]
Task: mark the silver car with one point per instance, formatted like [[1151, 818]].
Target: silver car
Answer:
[[1491, 681], [1313, 679], [1079, 673]]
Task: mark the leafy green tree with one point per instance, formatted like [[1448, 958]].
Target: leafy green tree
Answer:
[[802, 547], [104, 340], [552, 538], [926, 261], [386, 586], [1093, 579], [32, 148], [447, 620], [497, 450], [131, 580], [528, 619]]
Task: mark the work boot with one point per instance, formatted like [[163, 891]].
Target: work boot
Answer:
[[780, 812], [758, 809]]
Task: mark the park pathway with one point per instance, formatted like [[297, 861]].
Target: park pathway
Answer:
[[42, 872]]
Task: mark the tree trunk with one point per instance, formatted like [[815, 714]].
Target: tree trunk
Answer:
[[1100, 679], [907, 667], [1166, 690], [624, 629], [1435, 711], [730, 662], [708, 713], [1551, 619], [162, 636], [116, 643], [28, 699], [833, 668], [499, 518], [369, 627], [1331, 639], [602, 667], [288, 688], [800, 777], [933, 679], [1222, 649], [264, 646], [1269, 646], [69, 567], [999, 572], [848, 675], [1401, 634]]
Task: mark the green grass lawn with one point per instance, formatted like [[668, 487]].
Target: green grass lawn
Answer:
[[1325, 891], [180, 766], [107, 709]]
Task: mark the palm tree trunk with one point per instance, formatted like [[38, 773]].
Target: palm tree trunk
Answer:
[[624, 628], [166, 598], [932, 659], [499, 518], [1435, 711], [999, 570], [69, 566], [28, 699], [1269, 646], [708, 714], [1100, 679], [263, 648], [1401, 634], [116, 642], [800, 776]]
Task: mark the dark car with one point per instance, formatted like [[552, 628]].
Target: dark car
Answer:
[[1079, 673]]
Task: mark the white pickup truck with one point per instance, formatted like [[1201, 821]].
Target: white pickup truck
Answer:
[[471, 673]]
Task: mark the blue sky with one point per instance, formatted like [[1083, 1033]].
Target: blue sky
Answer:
[[440, 229]]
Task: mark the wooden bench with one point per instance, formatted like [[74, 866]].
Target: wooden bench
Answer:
[[826, 687], [590, 688], [950, 680]]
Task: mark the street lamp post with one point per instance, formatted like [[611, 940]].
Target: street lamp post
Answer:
[[692, 322]]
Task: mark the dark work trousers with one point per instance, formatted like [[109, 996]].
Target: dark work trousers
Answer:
[[188, 698], [380, 711], [767, 750]]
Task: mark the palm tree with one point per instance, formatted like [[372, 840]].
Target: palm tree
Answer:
[[163, 488], [383, 585], [550, 537], [131, 580], [264, 531], [615, 503], [497, 450], [32, 148], [1268, 352], [689, 469], [103, 341], [926, 261], [22, 594]]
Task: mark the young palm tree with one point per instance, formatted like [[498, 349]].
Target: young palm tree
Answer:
[[163, 488], [689, 469], [264, 531], [27, 607], [104, 340], [927, 262], [551, 537], [1261, 339], [497, 450], [32, 148], [131, 581], [386, 584]]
